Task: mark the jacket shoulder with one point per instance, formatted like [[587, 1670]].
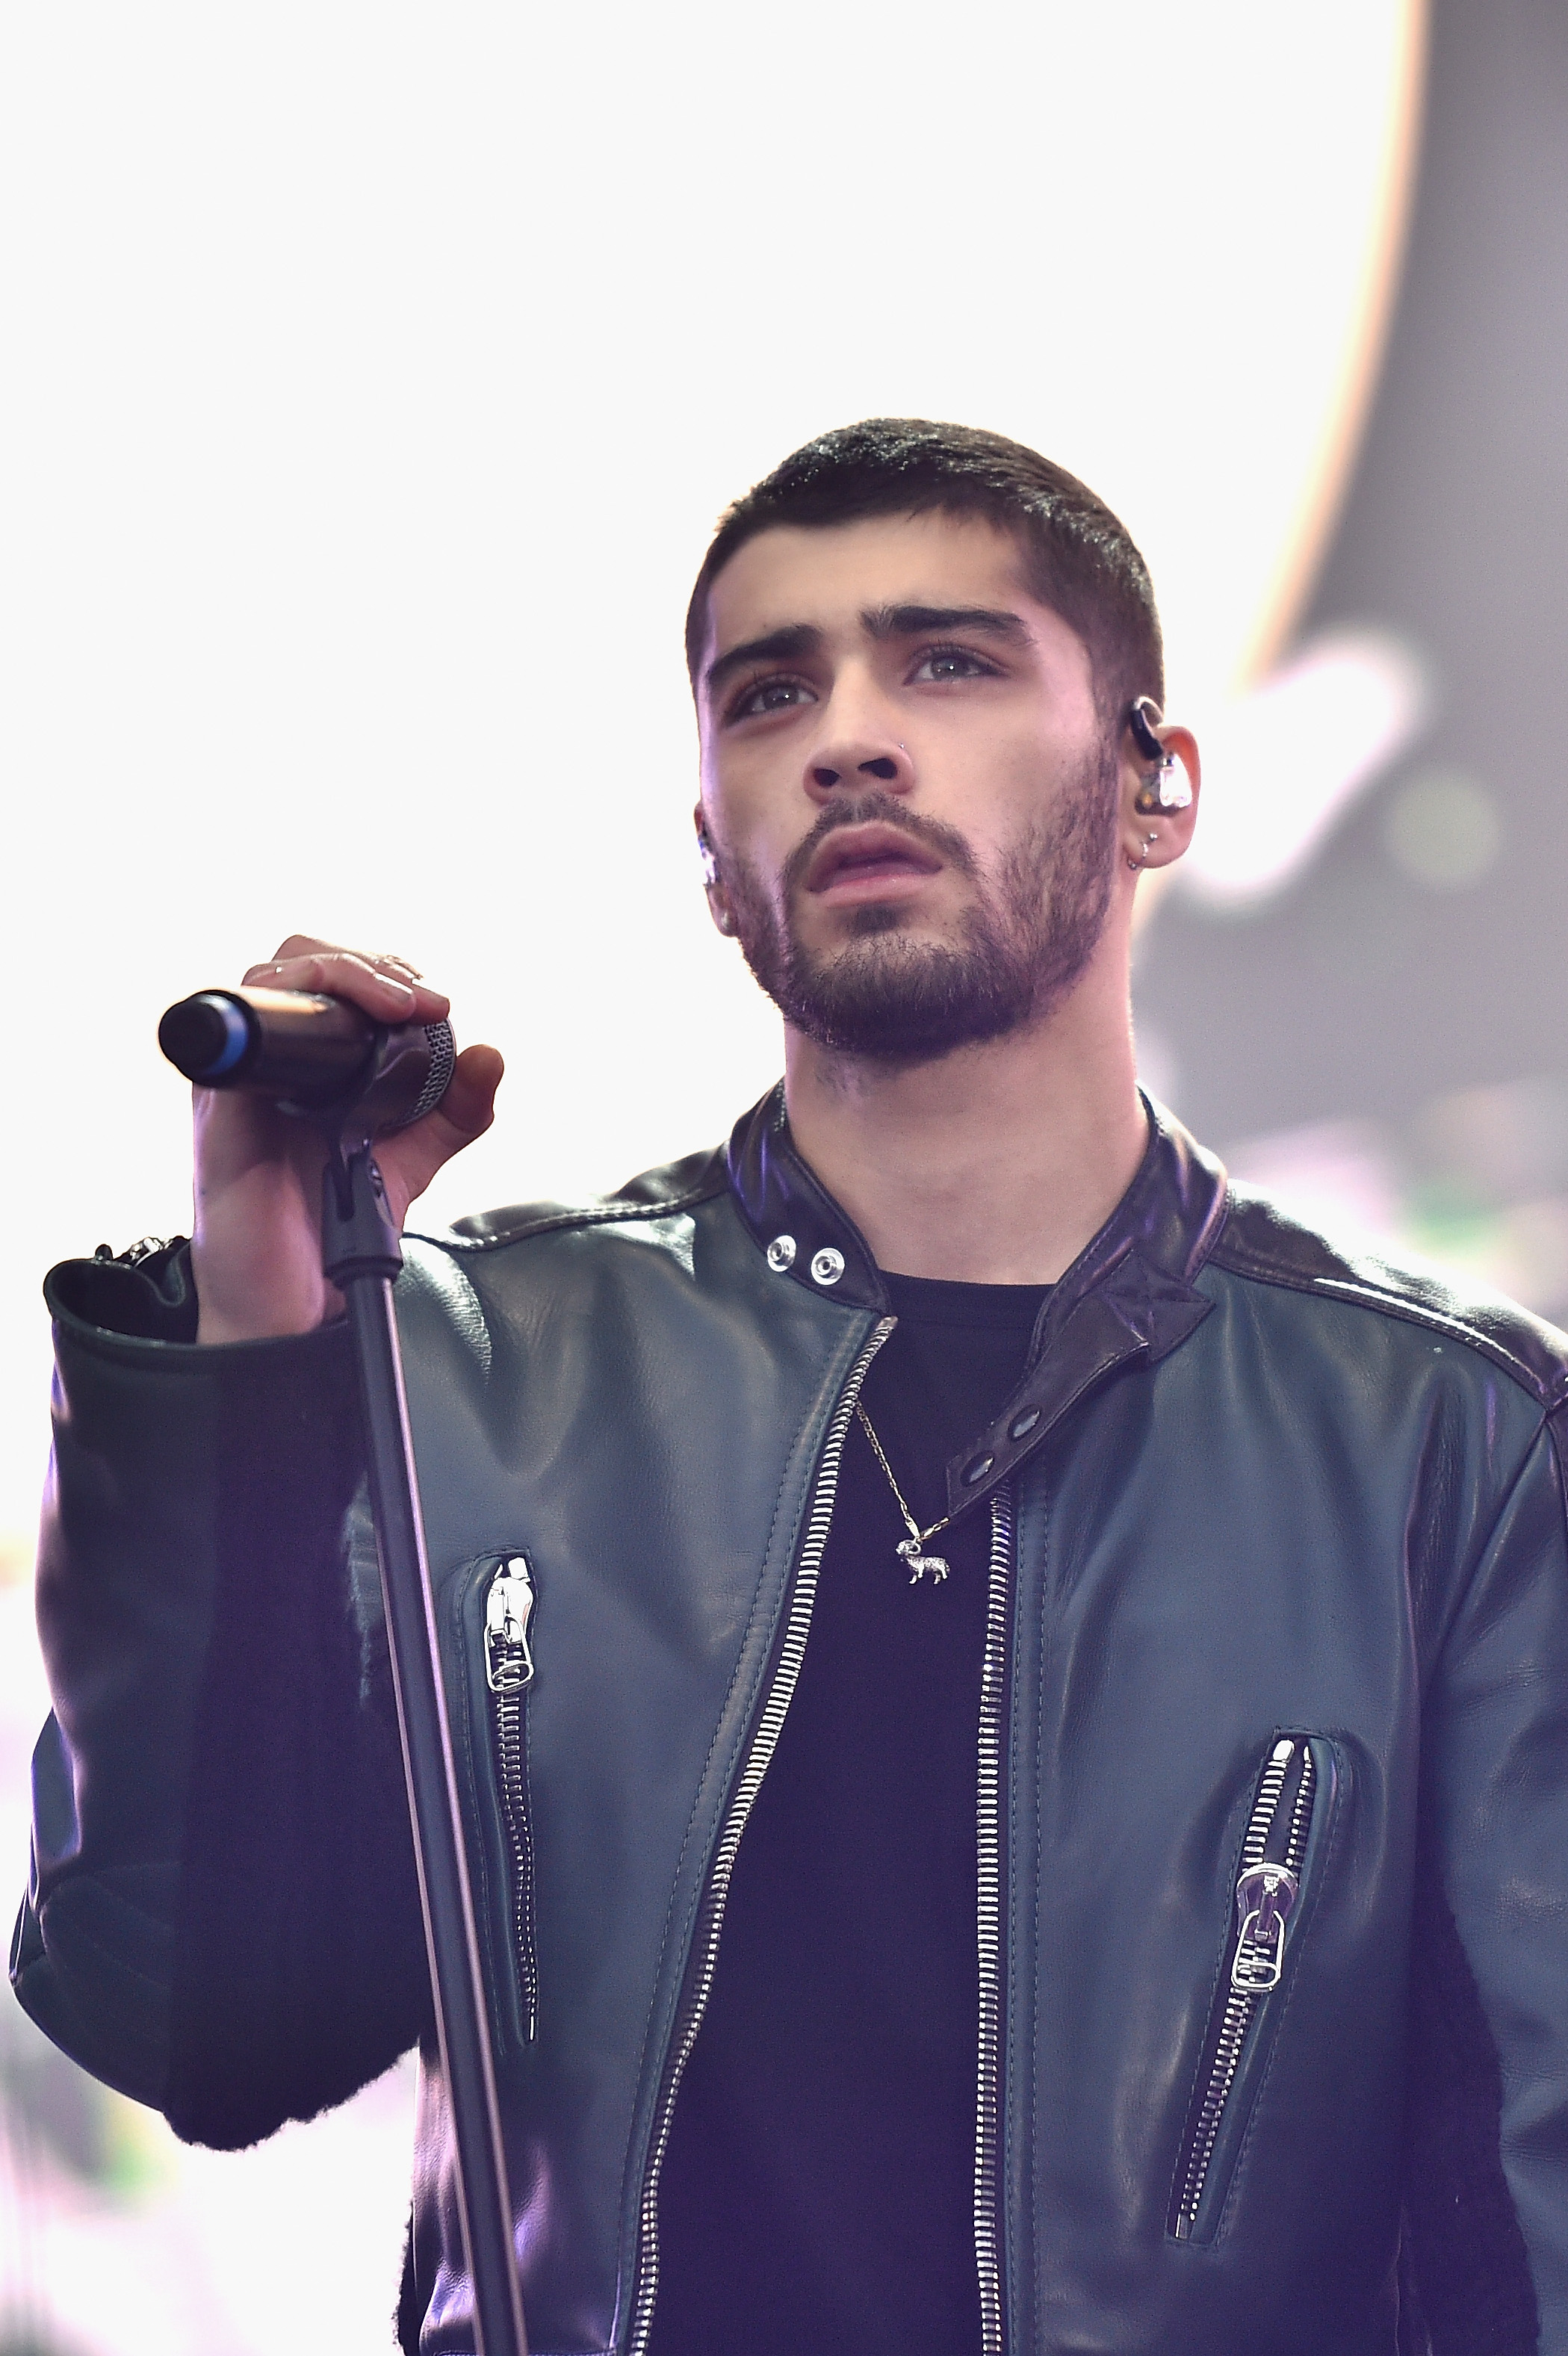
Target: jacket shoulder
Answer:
[[1259, 1241], [652, 1195]]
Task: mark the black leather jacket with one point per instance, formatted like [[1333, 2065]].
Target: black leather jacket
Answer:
[[1279, 1602]]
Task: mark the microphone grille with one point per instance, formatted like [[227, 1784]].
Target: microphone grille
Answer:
[[443, 1057]]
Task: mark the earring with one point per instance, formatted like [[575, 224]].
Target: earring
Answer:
[[1136, 864]]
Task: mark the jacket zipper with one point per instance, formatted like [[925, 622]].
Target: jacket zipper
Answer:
[[764, 1740], [508, 1672], [1266, 1890], [988, 1846]]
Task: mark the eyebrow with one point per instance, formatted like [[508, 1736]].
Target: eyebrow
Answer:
[[916, 621], [788, 645]]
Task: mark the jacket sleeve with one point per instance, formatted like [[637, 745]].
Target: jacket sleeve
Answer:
[[222, 1917], [1489, 2082]]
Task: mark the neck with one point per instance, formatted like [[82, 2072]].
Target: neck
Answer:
[[994, 1165]]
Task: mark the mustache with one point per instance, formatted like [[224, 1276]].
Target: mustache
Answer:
[[886, 810]]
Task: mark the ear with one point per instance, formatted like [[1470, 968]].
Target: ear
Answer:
[[1150, 835], [718, 904]]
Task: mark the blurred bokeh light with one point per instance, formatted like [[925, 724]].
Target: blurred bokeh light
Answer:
[[1380, 1039]]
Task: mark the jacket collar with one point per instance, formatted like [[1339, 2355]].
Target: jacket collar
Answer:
[[1129, 1294]]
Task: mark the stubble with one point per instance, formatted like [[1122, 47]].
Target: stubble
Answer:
[[1025, 938]]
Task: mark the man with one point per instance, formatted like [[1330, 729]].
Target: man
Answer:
[[1038, 1821]]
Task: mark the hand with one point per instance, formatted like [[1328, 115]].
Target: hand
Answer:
[[256, 1248]]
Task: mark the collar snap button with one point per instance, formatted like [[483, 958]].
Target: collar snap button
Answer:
[[781, 1254], [828, 1266], [1023, 1423], [977, 1469]]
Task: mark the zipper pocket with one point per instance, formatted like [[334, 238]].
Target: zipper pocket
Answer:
[[1290, 1805], [510, 1600]]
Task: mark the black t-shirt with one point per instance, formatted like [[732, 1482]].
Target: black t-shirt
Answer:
[[818, 2189]]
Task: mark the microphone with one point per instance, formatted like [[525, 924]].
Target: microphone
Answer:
[[317, 1056]]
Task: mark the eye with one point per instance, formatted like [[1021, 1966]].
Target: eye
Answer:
[[939, 665], [765, 695]]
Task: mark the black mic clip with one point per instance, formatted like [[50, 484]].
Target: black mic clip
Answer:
[[359, 1236]]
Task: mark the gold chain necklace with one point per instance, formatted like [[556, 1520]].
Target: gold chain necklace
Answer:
[[911, 1549]]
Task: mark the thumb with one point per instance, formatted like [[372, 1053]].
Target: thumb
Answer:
[[468, 1107], [410, 1159]]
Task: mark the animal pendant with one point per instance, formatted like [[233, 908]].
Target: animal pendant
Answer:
[[920, 1563]]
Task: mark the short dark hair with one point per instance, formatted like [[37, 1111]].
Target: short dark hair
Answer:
[[1080, 559]]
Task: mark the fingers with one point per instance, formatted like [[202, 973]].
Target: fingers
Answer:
[[306, 945], [387, 987]]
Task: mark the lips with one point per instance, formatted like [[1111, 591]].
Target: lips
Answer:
[[855, 859]]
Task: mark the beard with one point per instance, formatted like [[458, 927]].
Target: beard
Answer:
[[1024, 941]]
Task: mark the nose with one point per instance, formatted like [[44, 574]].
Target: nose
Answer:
[[858, 761]]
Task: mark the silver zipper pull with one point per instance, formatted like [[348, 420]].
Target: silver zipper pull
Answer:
[[508, 1608], [1264, 1896]]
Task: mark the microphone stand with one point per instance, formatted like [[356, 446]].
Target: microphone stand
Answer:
[[362, 1255]]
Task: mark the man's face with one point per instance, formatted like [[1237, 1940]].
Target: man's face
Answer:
[[906, 783]]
